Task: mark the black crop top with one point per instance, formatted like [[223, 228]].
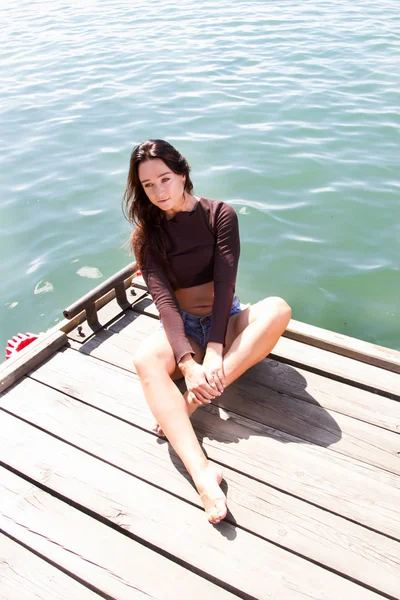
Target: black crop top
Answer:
[[202, 246]]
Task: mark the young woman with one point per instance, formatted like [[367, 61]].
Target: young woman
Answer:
[[188, 248]]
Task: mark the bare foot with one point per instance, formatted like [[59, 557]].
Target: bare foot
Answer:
[[214, 500], [158, 430], [191, 407]]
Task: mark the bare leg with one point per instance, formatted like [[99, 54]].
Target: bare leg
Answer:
[[155, 364], [251, 336], [253, 333], [177, 374]]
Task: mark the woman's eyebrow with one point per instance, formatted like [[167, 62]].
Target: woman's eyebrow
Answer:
[[158, 176]]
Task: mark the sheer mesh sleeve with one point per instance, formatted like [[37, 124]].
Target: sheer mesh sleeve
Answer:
[[227, 251], [164, 298]]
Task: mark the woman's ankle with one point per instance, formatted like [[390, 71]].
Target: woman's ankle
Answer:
[[197, 470]]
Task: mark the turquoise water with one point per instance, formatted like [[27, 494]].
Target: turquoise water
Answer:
[[289, 110]]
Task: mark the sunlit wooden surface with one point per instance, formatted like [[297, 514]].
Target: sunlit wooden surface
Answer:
[[93, 504]]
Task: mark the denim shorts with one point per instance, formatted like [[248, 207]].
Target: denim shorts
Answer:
[[198, 328]]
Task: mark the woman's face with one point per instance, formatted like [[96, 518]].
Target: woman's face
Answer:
[[163, 187]]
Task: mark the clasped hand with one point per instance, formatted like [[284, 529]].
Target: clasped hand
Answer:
[[205, 382]]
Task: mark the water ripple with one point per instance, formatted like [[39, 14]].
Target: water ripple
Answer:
[[287, 110]]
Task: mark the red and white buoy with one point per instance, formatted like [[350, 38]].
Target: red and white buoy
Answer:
[[19, 342]]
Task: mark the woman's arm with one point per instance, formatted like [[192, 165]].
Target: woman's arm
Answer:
[[226, 259], [227, 252], [165, 300]]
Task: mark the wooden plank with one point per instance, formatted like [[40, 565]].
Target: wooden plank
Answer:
[[313, 388], [110, 348], [333, 365], [147, 307], [336, 482], [31, 356], [282, 411], [314, 424], [305, 529], [81, 377], [118, 349], [112, 563], [250, 565], [25, 576], [134, 325], [379, 356], [316, 389], [362, 493], [111, 389], [139, 281], [321, 361], [385, 358]]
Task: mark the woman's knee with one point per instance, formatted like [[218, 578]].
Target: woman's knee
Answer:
[[278, 308], [140, 359], [150, 360]]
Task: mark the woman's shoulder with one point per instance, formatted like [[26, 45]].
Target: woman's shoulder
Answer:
[[216, 208], [213, 204]]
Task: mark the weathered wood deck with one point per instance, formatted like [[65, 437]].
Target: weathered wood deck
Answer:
[[94, 505]]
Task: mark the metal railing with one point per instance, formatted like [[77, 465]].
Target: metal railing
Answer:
[[88, 301]]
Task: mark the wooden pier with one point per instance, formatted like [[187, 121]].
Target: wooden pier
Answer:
[[94, 505]]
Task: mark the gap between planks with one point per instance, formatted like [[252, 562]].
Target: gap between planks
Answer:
[[316, 360], [132, 449], [304, 385], [103, 385], [254, 566], [83, 376], [315, 337], [116, 565], [26, 576]]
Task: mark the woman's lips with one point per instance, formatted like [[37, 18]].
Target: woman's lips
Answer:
[[161, 201]]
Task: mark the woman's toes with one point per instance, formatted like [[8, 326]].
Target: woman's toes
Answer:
[[220, 511], [212, 497], [157, 430], [217, 513]]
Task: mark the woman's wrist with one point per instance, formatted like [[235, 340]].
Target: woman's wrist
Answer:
[[186, 362], [215, 348]]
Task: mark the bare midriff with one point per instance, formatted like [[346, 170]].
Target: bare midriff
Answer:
[[197, 300]]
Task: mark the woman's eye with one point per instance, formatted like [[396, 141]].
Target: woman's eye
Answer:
[[147, 185], [165, 179]]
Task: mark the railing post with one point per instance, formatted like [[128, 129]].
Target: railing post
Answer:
[[91, 316], [120, 294]]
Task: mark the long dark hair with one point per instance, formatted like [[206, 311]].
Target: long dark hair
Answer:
[[138, 208]]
